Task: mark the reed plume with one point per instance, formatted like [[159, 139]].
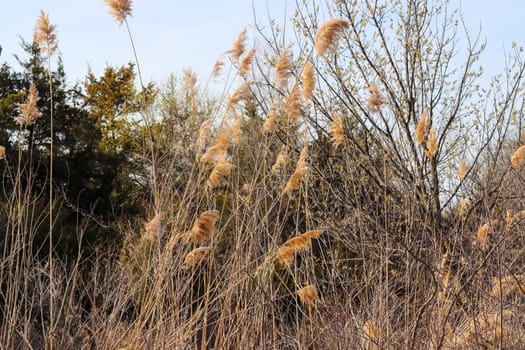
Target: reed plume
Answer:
[[375, 100], [218, 151], [236, 130], [220, 172], [195, 257], [336, 131], [518, 157], [300, 171], [308, 80], [462, 171], [202, 228], [241, 94], [45, 34], [308, 295], [153, 228], [285, 254], [246, 63], [372, 334], [189, 80], [120, 9], [328, 34], [482, 234], [238, 46], [294, 103], [431, 144], [271, 121], [421, 127], [28, 111], [217, 68], [283, 68], [280, 161], [508, 285], [204, 133]]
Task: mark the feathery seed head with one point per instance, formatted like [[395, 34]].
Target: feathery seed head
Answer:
[[204, 133], [482, 234], [280, 161], [242, 93], [518, 157], [28, 112], [45, 34], [270, 124], [238, 46], [337, 132], [285, 255], [300, 171], [421, 128], [507, 286], [202, 228], [217, 68], [294, 103], [328, 34], [219, 173], [431, 144], [218, 151], [462, 171], [195, 257], [120, 9], [283, 68], [375, 100], [246, 63], [308, 80], [190, 79], [153, 228], [308, 295]]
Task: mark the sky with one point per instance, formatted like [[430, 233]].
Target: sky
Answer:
[[171, 35]]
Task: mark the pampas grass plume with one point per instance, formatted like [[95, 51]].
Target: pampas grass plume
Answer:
[[328, 34], [202, 228]]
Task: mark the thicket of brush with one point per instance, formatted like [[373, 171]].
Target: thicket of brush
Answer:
[[354, 189]]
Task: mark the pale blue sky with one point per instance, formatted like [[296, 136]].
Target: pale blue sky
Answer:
[[172, 35]]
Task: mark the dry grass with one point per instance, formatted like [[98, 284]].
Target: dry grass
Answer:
[[210, 270]]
